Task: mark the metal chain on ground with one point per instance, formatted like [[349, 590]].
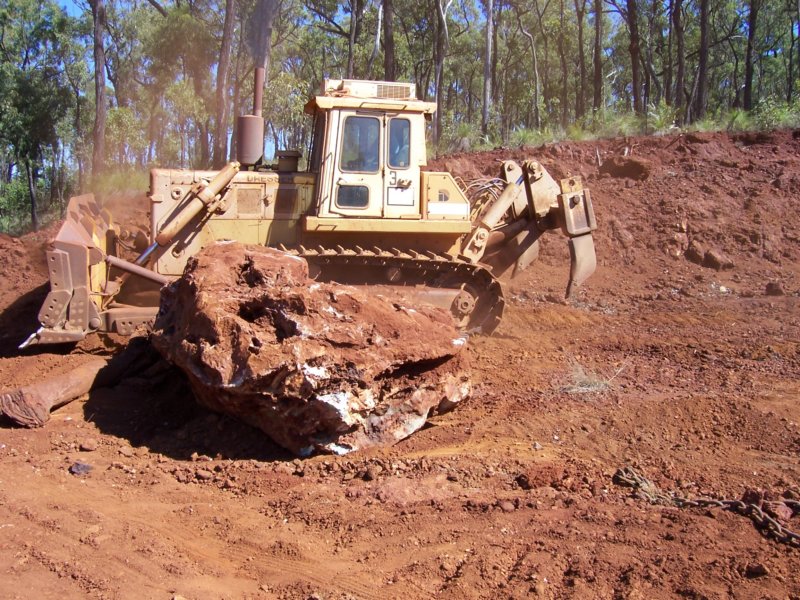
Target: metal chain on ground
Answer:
[[646, 490]]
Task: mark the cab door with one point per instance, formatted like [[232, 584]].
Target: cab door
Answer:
[[357, 186], [402, 169]]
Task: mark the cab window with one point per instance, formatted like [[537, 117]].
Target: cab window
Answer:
[[360, 145], [399, 143], [352, 196]]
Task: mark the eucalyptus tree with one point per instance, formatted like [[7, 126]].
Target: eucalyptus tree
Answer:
[[34, 93]]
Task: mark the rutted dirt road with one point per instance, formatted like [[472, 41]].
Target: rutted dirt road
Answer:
[[680, 357]]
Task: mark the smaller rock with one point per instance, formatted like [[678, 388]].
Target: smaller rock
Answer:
[[88, 445], [715, 259], [774, 288], [371, 473], [506, 506], [80, 468], [125, 451], [695, 252], [752, 496], [755, 570], [523, 481], [537, 446], [204, 474], [779, 510]]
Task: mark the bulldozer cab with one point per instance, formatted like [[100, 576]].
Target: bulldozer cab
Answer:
[[368, 147]]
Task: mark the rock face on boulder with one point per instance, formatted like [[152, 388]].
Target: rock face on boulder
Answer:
[[316, 366]]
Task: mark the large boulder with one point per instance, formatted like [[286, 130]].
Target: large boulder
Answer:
[[316, 366]]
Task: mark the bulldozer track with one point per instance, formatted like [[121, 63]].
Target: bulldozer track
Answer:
[[429, 269]]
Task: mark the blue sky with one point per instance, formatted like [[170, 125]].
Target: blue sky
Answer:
[[73, 7]]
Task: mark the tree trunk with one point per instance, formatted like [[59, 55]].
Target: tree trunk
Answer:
[[487, 68], [652, 85], [442, 42], [351, 42], [376, 47], [752, 21], [495, 57], [79, 133], [680, 54], [99, 131], [790, 65], [701, 102], [668, 60], [32, 194], [223, 68], [203, 133], [580, 93], [597, 79], [388, 41], [635, 52], [562, 56], [537, 122], [546, 92], [235, 103]]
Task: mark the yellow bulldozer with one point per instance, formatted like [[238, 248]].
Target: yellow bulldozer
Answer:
[[363, 212]]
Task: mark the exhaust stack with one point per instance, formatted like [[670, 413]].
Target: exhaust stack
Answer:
[[250, 128]]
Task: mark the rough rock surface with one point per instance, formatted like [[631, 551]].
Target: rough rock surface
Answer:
[[315, 366]]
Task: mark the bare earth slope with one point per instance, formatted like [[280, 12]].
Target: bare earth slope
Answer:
[[689, 373]]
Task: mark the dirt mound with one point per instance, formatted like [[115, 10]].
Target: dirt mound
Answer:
[[733, 195], [315, 366]]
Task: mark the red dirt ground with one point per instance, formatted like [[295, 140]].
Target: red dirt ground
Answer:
[[690, 374]]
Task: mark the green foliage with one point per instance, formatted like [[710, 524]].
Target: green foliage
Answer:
[[772, 113], [661, 118], [769, 114], [35, 101], [14, 204], [461, 137], [285, 97], [523, 136], [610, 124], [124, 135]]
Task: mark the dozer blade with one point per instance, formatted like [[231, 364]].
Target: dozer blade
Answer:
[[77, 275]]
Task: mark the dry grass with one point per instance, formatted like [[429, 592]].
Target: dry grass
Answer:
[[583, 380]]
